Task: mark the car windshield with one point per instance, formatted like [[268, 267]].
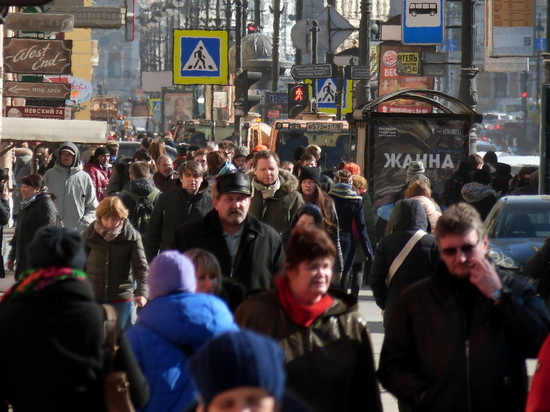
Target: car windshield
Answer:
[[521, 220]]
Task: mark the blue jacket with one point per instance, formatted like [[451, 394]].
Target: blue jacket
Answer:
[[168, 331]]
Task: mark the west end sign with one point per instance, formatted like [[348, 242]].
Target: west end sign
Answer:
[[22, 55]]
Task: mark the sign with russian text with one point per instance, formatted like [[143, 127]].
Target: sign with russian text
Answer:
[[45, 90], [390, 81], [23, 55], [511, 27], [38, 112]]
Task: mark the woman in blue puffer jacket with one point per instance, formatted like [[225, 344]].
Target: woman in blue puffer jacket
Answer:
[[174, 325]]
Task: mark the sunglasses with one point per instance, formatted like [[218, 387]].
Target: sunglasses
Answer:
[[466, 249]]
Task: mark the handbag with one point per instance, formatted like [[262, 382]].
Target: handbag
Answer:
[[116, 388], [419, 234]]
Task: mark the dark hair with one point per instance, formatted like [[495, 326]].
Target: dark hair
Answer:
[[140, 170], [146, 142], [306, 157], [215, 161], [142, 155], [34, 180], [325, 204], [191, 165], [306, 244]]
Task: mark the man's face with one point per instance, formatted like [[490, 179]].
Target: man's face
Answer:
[[190, 181], [457, 251], [266, 171], [103, 159], [232, 208], [165, 167], [66, 158], [239, 161]]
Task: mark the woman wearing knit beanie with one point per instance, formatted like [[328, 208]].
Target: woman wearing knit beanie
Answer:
[[173, 326]]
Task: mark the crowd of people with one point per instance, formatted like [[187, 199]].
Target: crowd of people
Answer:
[[235, 282]]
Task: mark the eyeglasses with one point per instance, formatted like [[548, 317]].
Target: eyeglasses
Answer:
[[466, 249]]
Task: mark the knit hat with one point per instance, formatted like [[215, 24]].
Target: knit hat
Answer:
[[56, 246], [353, 168], [101, 151], [308, 209], [241, 151], [237, 359], [415, 168], [311, 173], [170, 272]]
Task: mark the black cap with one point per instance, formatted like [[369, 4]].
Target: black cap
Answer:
[[101, 151], [56, 246], [232, 183]]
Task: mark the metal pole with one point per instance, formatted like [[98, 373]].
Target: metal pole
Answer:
[[314, 30], [238, 60], [299, 16], [275, 47], [468, 90], [364, 53]]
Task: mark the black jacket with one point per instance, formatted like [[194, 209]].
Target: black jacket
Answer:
[[430, 361], [419, 263], [4, 219], [41, 212], [260, 254], [330, 363], [172, 210], [50, 352]]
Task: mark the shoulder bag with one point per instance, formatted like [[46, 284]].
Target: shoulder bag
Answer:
[[116, 388], [403, 254]]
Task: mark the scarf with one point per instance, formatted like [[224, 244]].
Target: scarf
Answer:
[[267, 191], [107, 235], [33, 281], [344, 191], [27, 202], [302, 315]]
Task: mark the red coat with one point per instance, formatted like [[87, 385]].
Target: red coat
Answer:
[[100, 178], [539, 394]]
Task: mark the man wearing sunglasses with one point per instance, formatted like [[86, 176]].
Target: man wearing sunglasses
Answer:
[[458, 341]]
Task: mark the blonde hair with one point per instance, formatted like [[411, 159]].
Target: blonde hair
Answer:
[[359, 182], [206, 262], [111, 207]]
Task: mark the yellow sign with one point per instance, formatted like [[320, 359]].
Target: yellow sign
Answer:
[[200, 57], [408, 63]]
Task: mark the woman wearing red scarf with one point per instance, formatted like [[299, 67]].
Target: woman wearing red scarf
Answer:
[[329, 360]]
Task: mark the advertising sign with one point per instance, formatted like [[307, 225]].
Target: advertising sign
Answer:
[[178, 105], [38, 112], [23, 55], [511, 27], [389, 81], [398, 141]]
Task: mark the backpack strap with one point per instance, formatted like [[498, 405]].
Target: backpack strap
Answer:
[[110, 333], [419, 234]]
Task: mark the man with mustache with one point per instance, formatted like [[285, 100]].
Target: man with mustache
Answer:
[[249, 252]]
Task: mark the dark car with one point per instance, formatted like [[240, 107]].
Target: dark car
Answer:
[[517, 227]]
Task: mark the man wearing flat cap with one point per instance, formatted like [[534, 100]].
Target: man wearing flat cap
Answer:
[[76, 199], [248, 251]]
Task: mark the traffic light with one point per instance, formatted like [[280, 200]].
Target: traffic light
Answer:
[[252, 28], [244, 101], [524, 95], [297, 99]]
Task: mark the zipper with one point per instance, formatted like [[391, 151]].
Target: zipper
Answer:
[[468, 392]]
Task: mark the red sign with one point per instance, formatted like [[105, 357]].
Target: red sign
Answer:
[[38, 112], [273, 114], [389, 81]]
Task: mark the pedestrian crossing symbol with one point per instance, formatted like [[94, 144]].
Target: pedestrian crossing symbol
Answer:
[[326, 93], [200, 57]]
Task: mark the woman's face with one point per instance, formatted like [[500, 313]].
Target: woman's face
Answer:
[[310, 280], [27, 191], [309, 187], [111, 223], [306, 220], [206, 283]]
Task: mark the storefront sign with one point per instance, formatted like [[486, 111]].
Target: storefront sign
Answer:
[[22, 55]]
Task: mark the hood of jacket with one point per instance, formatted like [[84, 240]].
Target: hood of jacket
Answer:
[[289, 182], [141, 186], [187, 318], [409, 215], [475, 192], [22, 156], [73, 147]]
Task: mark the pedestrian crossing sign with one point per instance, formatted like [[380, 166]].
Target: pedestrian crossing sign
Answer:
[[200, 57], [326, 95]]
